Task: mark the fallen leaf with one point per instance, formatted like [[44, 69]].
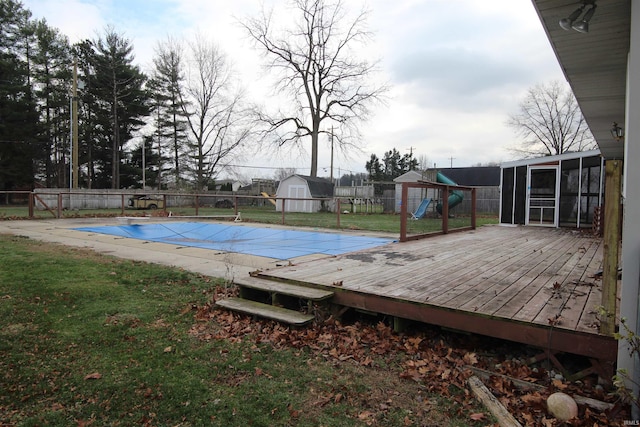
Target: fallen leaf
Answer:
[[168, 349], [477, 416], [470, 359], [294, 413], [94, 376]]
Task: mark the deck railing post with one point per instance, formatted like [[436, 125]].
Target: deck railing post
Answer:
[[473, 208], [445, 210], [403, 212]]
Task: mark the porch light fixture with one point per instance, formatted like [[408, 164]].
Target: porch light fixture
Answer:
[[573, 21], [617, 132]]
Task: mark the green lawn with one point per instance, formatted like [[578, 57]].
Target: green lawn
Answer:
[[86, 339], [267, 215]]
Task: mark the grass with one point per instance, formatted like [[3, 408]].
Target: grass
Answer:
[[86, 339], [389, 223]]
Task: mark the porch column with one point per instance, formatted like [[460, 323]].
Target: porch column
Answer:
[[613, 178]]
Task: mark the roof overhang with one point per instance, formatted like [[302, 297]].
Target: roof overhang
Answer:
[[594, 63]]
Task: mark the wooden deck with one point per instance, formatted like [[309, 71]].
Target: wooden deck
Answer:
[[525, 284]]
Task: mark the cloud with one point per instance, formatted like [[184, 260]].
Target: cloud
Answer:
[[457, 68]]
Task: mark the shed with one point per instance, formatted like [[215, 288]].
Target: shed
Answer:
[[552, 191], [303, 187], [415, 195]]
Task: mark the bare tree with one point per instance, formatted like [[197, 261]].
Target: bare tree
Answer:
[[283, 173], [424, 162], [319, 70], [550, 122], [212, 105]]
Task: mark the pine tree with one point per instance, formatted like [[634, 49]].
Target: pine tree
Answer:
[[18, 115], [171, 137], [119, 87]]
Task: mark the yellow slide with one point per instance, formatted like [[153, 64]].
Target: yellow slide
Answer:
[[268, 197]]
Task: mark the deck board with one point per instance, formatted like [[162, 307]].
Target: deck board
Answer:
[[495, 273]]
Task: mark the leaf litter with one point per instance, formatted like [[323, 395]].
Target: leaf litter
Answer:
[[435, 359]]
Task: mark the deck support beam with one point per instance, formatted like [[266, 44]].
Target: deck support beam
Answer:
[[603, 348], [611, 241]]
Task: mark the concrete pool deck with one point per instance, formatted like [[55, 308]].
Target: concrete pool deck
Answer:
[[211, 262]]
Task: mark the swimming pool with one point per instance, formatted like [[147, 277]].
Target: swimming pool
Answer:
[[266, 242]]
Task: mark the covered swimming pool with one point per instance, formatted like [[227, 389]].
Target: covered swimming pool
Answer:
[[266, 242]]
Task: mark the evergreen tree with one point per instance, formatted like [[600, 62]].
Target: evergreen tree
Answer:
[[168, 110], [121, 96], [51, 69], [18, 115]]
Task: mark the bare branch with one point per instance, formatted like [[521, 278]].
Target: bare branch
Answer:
[[318, 68], [550, 122]]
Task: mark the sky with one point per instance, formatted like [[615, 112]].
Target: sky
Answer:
[[456, 69]]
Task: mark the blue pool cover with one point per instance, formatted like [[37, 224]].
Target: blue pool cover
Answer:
[[266, 242]]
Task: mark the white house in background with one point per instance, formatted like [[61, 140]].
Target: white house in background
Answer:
[[303, 187], [603, 68]]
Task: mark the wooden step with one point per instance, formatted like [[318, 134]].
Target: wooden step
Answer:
[[302, 292], [265, 310]]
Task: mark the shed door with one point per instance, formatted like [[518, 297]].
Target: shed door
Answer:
[[297, 191], [542, 196]]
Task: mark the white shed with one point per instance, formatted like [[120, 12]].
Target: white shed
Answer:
[[415, 195], [304, 187]]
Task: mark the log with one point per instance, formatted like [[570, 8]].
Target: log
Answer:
[[526, 385], [497, 409]]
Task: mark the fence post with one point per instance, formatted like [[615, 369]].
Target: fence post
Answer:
[[338, 209], [31, 203], [197, 204], [59, 210], [121, 204], [235, 205], [283, 205]]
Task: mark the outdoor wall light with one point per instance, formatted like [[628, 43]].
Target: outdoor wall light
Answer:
[[582, 25], [617, 132]]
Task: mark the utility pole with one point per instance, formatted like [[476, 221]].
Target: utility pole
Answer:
[[74, 118], [451, 159], [410, 157], [331, 178]]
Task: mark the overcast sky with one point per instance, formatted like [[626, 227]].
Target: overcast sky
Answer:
[[457, 68]]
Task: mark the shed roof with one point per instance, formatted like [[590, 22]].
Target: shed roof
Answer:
[[318, 187]]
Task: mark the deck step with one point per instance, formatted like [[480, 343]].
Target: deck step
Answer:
[[302, 292], [265, 310]]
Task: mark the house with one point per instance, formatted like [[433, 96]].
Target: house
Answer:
[[557, 191], [603, 70], [297, 187]]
